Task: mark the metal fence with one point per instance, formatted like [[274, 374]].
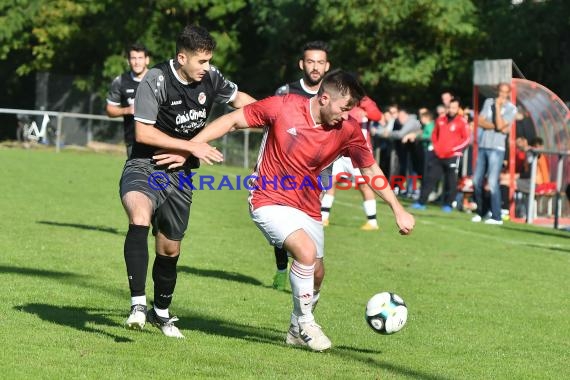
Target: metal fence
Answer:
[[63, 129], [240, 148]]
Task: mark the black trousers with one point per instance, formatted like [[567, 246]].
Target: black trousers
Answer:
[[435, 169]]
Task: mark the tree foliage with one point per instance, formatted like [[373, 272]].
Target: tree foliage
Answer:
[[404, 51]]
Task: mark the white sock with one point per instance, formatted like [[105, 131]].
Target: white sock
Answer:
[[163, 313], [302, 278], [326, 203], [138, 300], [294, 320], [370, 211], [316, 296]]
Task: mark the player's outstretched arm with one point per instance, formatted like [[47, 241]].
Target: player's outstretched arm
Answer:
[[147, 134], [242, 99], [176, 157], [221, 126], [404, 220]]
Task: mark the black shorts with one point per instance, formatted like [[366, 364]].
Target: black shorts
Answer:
[[170, 192]]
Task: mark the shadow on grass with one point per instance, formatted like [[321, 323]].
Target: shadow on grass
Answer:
[[545, 231], [80, 318], [36, 272], [220, 274], [550, 248], [265, 335], [88, 227], [67, 278]]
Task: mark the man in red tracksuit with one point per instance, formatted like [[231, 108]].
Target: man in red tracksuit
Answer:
[[450, 137]]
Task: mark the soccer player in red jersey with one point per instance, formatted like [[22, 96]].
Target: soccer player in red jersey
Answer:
[[314, 63], [302, 137]]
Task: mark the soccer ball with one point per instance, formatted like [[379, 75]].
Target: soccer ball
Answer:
[[386, 313]]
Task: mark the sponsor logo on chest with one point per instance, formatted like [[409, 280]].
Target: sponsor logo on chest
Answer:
[[191, 115]]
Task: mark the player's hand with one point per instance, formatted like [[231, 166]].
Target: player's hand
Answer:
[[405, 222], [206, 153], [173, 158]]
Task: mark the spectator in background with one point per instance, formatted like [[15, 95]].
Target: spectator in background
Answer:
[[495, 119], [446, 98], [424, 135], [450, 137], [468, 115], [543, 183], [418, 142], [522, 165], [382, 137], [121, 96], [407, 123], [440, 110]]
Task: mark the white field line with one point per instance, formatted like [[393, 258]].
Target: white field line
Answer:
[[419, 220]]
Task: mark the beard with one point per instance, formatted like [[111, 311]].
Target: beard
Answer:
[[313, 82]]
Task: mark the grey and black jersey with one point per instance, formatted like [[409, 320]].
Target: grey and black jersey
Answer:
[[175, 107], [122, 93], [297, 87]]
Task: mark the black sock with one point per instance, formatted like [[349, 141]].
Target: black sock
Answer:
[[164, 276], [281, 258], [136, 258]]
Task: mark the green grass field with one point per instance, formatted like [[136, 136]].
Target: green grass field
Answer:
[[485, 302]]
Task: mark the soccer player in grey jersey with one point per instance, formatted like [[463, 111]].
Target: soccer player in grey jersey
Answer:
[[172, 104], [121, 96]]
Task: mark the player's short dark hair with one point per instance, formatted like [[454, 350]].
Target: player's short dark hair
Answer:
[[138, 47], [344, 84], [195, 39], [315, 45]]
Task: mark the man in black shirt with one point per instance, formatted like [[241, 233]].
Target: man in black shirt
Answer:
[[121, 96], [314, 65], [172, 104]]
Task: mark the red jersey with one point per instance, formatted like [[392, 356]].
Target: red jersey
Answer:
[[450, 137], [295, 150]]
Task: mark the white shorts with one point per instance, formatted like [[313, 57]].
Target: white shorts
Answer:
[[278, 222], [344, 165]]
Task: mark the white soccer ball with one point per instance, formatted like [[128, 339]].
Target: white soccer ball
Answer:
[[386, 313]]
